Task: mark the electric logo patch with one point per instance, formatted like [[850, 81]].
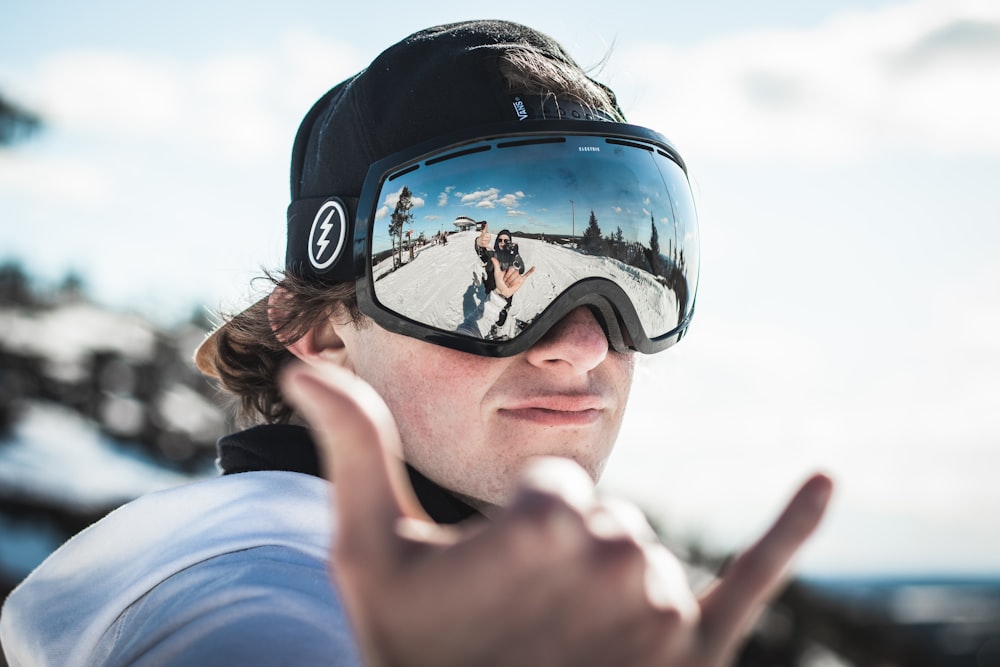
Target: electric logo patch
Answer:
[[326, 238]]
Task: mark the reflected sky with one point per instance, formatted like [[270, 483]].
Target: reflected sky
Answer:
[[547, 189]]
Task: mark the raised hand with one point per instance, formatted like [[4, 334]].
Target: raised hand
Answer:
[[509, 281], [562, 577], [483, 240]]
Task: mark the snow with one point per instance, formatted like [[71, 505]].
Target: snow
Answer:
[[187, 411], [442, 285], [66, 336], [59, 457]]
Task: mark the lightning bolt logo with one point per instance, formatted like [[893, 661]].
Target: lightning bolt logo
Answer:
[[322, 241], [330, 220]]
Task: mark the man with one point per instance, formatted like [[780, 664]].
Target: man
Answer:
[[463, 517], [503, 268], [505, 250]]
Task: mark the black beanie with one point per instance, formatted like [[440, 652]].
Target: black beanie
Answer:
[[434, 82], [431, 83]]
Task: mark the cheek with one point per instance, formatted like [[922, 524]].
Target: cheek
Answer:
[[433, 393], [624, 365]]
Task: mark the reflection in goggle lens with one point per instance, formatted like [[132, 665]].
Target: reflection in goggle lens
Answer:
[[570, 209]]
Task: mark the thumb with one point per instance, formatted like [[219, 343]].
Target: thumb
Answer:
[[497, 271], [361, 452]]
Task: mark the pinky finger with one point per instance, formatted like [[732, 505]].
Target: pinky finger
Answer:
[[729, 608]]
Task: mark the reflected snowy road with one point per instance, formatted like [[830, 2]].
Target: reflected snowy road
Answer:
[[442, 285]]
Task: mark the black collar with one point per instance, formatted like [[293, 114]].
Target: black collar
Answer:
[[290, 448]]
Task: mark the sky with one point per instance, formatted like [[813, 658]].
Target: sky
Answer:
[[844, 154], [539, 189]]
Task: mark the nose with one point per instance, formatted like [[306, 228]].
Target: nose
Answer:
[[577, 342]]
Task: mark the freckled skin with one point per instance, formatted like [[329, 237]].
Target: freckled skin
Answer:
[[470, 423]]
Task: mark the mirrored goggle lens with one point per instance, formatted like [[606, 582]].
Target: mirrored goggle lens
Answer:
[[574, 208]]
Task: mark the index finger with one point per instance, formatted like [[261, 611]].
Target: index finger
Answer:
[[361, 452], [754, 576]]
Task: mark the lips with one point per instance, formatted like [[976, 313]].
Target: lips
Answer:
[[557, 410]]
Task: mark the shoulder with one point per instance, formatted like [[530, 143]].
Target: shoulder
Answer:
[[72, 599], [265, 605]]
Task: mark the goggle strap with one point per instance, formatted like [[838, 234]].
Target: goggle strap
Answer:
[[320, 242], [532, 107]]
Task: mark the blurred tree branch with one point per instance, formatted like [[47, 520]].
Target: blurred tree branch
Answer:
[[16, 123]]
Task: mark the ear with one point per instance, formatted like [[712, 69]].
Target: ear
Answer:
[[320, 345]]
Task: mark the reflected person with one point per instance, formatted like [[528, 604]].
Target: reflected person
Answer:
[[505, 250], [503, 275]]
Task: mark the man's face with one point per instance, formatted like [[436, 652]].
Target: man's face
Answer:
[[470, 423]]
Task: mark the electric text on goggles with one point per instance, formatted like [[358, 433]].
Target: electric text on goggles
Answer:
[[603, 213]]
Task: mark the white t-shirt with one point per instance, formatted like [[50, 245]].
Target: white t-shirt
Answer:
[[226, 571]]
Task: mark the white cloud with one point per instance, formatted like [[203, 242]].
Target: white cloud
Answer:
[[238, 105], [232, 110], [392, 199], [312, 64], [251, 103], [481, 198], [109, 92], [511, 200], [922, 75], [63, 179]]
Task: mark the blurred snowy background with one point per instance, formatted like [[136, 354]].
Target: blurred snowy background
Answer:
[[846, 154]]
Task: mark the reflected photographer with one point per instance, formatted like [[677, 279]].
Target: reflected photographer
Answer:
[[503, 275]]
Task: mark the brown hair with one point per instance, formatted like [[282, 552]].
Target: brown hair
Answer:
[[528, 73], [251, 349]]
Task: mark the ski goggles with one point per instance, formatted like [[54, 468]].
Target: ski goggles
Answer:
[[594, 214]]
